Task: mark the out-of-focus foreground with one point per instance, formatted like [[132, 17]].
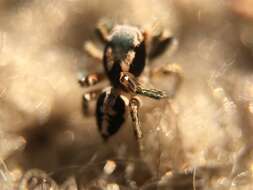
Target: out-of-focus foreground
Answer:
[[201, 139]]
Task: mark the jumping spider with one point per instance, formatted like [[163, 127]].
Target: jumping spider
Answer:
[[127, 49]]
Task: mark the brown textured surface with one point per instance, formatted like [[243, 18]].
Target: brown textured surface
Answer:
[[207, 128]]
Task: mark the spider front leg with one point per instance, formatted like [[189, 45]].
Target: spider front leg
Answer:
[[131, 84], [134, 105]]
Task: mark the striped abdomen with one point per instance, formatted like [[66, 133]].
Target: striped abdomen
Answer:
[[110, 113]]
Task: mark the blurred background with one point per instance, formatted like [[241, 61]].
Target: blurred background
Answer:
[[201, 139]]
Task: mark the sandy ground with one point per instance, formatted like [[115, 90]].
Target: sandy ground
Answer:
[[201, 139]]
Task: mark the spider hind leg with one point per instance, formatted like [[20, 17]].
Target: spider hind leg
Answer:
[[134, 105]]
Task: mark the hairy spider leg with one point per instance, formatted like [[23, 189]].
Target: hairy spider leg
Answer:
[[134, 105], [103, 30], [131, 85]]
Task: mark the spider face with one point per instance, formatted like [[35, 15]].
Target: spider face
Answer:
[[125, 51]]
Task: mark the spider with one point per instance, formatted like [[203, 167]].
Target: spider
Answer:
[[127, 50]]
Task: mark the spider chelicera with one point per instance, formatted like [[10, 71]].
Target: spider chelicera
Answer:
[[127, 50]]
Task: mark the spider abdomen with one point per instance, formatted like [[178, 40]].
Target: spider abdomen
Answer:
[[110, 114]]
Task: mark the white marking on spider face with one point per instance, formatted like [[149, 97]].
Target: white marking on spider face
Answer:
[[125, 64]]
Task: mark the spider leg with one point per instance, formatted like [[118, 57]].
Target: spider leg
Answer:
[[95, 83], [168, 70], [93, 51], [91, 94], [160, 43], [103, 29], [134, 105], [131, 84], [159, 40], [91, 79], [87, 98]]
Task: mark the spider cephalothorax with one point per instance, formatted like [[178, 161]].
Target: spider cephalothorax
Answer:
[[124, 52]]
